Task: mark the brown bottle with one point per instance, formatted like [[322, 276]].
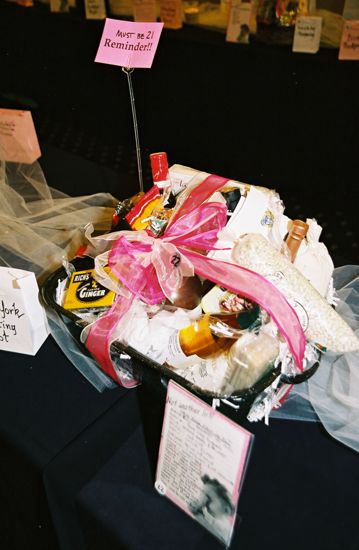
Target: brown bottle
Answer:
[[297, 232], [188, 295]]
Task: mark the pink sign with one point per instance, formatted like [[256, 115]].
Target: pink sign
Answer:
[[129, 44], [349, 46], [18, 139]]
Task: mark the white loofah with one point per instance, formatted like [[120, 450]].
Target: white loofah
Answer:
[[320, 321]]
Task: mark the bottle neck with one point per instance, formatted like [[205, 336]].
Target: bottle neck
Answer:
[[296, 234]]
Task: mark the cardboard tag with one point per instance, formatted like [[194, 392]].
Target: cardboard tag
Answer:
[[307, 34], [171, 13], [18, 139], [95, 9], [128, 44], [144, 10], [202, 461], [59, 6], [238, 28], [349, 45], [23, 323]]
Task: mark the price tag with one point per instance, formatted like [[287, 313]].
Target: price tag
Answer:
[[128, 44], [349, 45], [202, 461], [18, 139], [307, 34]]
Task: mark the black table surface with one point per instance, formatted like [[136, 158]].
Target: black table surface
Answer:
[[300, 491], [45, 403]]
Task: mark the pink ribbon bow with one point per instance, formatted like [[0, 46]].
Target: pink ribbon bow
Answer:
[[151, 268]]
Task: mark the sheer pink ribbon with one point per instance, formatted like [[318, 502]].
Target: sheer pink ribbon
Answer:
[[152, 268]]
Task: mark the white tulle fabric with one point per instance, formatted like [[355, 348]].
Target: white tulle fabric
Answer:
[[331, 396], [41, 226]]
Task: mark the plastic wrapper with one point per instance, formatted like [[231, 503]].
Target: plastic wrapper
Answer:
[[40, 227], [331, 395]]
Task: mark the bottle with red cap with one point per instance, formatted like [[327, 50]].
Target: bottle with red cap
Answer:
[[294, 238], [161, 178]]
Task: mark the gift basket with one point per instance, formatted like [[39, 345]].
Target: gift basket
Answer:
[[205, 281]]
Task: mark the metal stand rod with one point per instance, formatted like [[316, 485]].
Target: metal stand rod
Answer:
[[135, 127]]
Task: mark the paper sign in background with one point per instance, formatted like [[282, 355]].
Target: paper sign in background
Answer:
[[129, 44], [18, 139], [349, 46]]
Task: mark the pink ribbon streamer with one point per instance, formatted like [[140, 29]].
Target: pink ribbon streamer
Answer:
[[151, 268], [100, 339]]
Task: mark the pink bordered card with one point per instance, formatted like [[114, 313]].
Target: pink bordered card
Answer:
[[349, 44], [129, 44], [202, 461], [18, 139]]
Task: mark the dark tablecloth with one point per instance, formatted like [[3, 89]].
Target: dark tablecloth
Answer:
[[45, 407], [300, 491]]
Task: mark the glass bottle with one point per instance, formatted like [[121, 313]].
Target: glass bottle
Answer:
[[288, 10], [297, 232], [161, 178], [119, 221], [250, 357], [206, 336], [188, 294]]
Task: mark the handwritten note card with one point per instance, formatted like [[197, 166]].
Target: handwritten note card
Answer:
[[349, 45], [307, 34], [202, 461], [129, 44], [18, 139], [23, 324]]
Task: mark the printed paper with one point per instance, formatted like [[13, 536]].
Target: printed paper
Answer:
[[129, 44], [202, 461], [307, 34]]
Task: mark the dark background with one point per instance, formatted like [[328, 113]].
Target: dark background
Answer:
[[74, 471]]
